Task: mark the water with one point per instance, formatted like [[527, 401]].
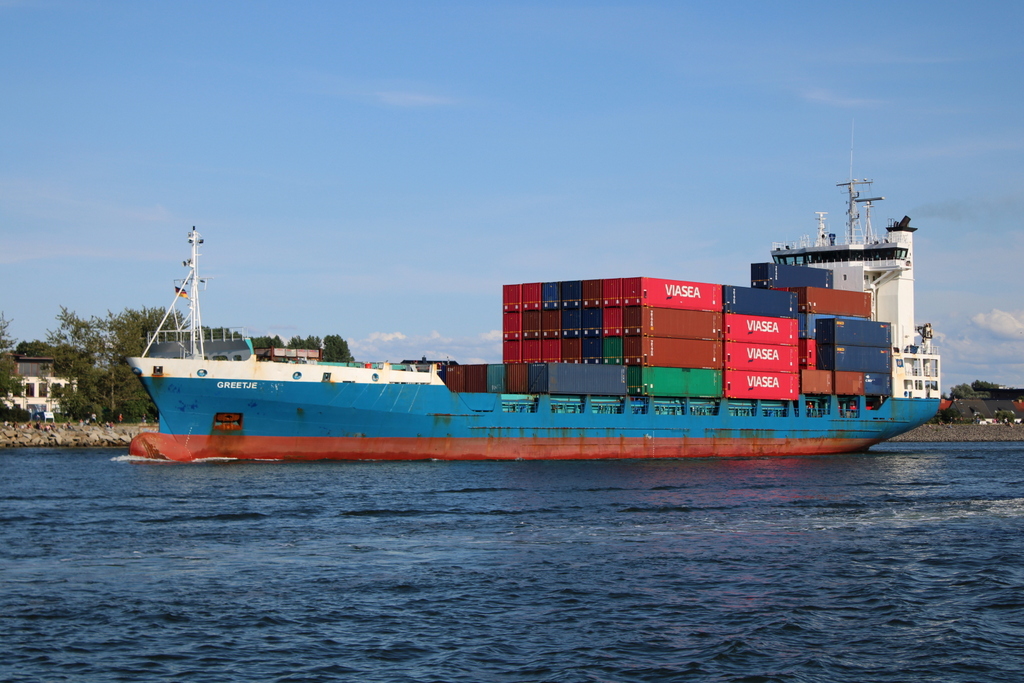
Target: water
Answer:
[[906, 563]]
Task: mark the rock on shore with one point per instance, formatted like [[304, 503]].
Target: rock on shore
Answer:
[[970, 432], [90, 436]]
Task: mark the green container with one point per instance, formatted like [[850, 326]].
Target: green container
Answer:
[[496, 378], [613, 350], [642, 381]]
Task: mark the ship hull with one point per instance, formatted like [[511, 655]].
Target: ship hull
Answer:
[[334, 421]]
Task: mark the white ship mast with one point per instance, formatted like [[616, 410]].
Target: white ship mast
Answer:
[[188, 330]]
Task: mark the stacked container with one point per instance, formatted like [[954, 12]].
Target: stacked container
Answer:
[[761, 360], [859, 354]]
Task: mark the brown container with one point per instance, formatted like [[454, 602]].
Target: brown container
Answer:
[[816, 382], [833, 301], [531, 324], [848, 383], [466, 378], [572, 350], [517, 378], [551, 324], [593, 293], [672, 353], [671, 323]]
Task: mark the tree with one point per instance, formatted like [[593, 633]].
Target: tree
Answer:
[[10, 381], [1006, 416], [336, 350], [967, 391], [304, 342], [267, 342], [34, 348], [978, 385]]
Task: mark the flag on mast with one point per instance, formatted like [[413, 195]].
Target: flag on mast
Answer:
[[181, 292]]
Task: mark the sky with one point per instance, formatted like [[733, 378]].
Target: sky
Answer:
[[379, 170]]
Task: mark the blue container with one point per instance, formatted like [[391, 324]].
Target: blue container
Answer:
[[855, 332], [854, 358], [591, 322], [496, 378], [571, 323], [877, 384], [750, 301], [808, 322], [780, 276], [550, 296], [577, 378], [593, 348], [571, 293]]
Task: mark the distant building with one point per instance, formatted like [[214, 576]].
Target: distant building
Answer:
[[38, 383], [984, 409]]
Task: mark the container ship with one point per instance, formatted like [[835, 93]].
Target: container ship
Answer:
[[819, 355]]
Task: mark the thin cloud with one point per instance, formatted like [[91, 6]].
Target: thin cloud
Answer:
[[1002, 324], [831, 99], [395, 346], [396, 98]]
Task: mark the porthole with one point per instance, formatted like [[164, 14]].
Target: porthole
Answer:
[[201, 373], [296, 375], [375, 377]]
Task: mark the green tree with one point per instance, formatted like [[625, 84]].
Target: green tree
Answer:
[[1006, 416], [310, 342], [336, 350], [967, 391], [979, 385], [267, 342], [34, 348], [10, 382]]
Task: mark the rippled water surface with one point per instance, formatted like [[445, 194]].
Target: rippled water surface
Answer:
[[904, 564]]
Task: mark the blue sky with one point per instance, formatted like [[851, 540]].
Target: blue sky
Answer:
[[378, 170]]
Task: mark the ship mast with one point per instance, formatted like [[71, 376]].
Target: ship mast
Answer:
[[191, 327], [853, 226]]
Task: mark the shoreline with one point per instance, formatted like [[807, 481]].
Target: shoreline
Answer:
[[100, 436]]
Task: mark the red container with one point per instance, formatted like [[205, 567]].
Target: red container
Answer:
[[531, 324], [512, 297], [815, 381], [512, 352], [848, 383], [761, 357], [593, 293], [808, 349], [466, 378], [760, 329], [531, 296], [652, 291], [672, 353], [769, 386], [531, 351], [551, 324], [671, 323], [833, 301], [512, 325], [550, 350], [611, 291], [572, 350], [517, 378], [612, 321]]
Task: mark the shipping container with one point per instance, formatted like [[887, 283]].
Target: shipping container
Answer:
[[532, 296], [681, 382], [512, 351], [593, 293], [512, 325], [496, 379], [854, 358], [672, 353], [760, 329], [550, 296], [532, 351], [808, 350], [855, 332], [512, 297], [611, 320], [760, 357], [770, 303], [781, 276], [848, 383], [571, 323], [611, 291], [808, 322], [517, 378], [834, 301], [877, 384], [652, 291], [671, 323], [572, 350], [770, 386], [591, 320], [612, 348], [592, 350], [551, 350], [467, 378], [565, 378], [531, 324], [551, 324], [571, 293], [815, 381]]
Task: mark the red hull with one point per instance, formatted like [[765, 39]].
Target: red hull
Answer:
[[189, 448]]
